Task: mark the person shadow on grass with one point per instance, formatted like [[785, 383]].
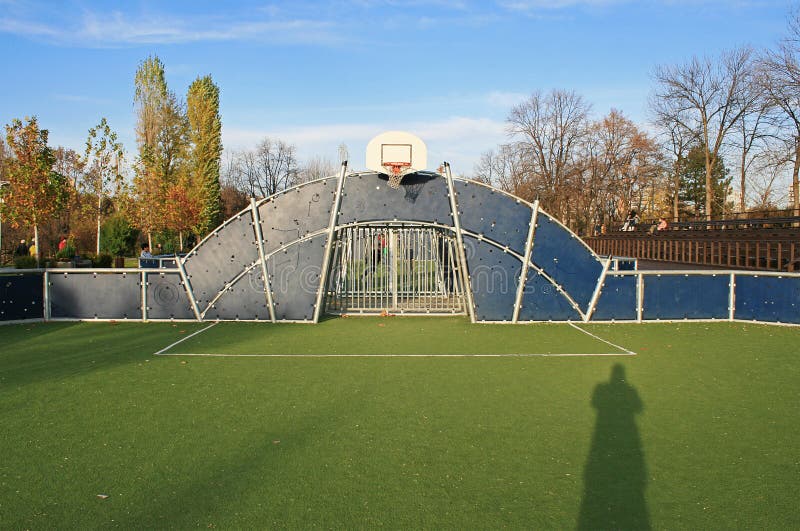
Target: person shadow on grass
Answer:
[[615, 475]]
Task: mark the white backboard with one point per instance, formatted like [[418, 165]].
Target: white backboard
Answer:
[[396, 147]]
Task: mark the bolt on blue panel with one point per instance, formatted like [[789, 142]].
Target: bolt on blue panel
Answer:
[[421, 196], [493, 214], [543, 302], [768, 298], [686, 296], [617, 301], [494, 275]]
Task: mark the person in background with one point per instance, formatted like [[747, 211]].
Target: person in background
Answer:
[[630, 221], [62, 243], [32, 250], [159, 249], [145, 251], [662, 224], [22, 249]]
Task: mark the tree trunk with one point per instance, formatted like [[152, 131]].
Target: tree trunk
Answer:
[[36, 241], [709, 189], [795, 172], [97, 247], [675, 198], [743, 185]]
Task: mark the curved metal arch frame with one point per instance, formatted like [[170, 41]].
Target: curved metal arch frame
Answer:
[[527, 263], [477, 237]]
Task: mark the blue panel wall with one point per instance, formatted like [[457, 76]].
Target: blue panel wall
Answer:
[[617, 299], [420, 197], [543, 302], [245, 300], [768, 298], [166, 297], [686, 296], [294, 278], [296, 212], [21, 296], [493, 214], [493, 275], [565, 258], [221, 258], [96, 296]]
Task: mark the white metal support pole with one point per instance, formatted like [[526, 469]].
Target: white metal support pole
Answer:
[[596, 295], [262, 257], [451, 190], [393, 235], [143, 277], [323, 274], [732, 298], [188, 286], [523, 274], [639, 297]]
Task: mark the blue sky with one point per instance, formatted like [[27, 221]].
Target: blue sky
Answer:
[[321, 73]]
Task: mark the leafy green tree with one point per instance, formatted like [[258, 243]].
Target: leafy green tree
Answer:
[[35, 193], [693, 178], [205, 135], [162, 138], [103, 156]]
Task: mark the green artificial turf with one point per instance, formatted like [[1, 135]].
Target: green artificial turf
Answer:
[[697, 431]]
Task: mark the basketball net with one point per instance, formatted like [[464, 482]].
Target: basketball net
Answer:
[[395, 172]]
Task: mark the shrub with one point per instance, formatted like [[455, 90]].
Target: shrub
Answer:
[[67, 253], [25, 262], [102, 260], [117, 236]]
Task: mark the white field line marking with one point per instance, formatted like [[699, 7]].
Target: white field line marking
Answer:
[[626, 351], [161, 352]]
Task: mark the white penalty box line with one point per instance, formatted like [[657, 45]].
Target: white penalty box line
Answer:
[[624, 351]]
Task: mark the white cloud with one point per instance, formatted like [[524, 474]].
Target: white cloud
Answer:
[[533, 5], [117, 28], [505, 100], [457, 140]]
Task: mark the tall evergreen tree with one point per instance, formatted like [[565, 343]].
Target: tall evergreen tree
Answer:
[[205, 135], [692, 172]]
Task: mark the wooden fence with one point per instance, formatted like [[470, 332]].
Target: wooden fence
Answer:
[[764, 249]]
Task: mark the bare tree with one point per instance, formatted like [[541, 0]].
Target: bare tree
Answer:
[[267, 170], [317, 168], [707, 96], [503, 169], [676, 140], [751, 133], [548, 131], [779, 79]]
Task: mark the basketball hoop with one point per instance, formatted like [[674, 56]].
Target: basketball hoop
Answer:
[[396, 172]]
